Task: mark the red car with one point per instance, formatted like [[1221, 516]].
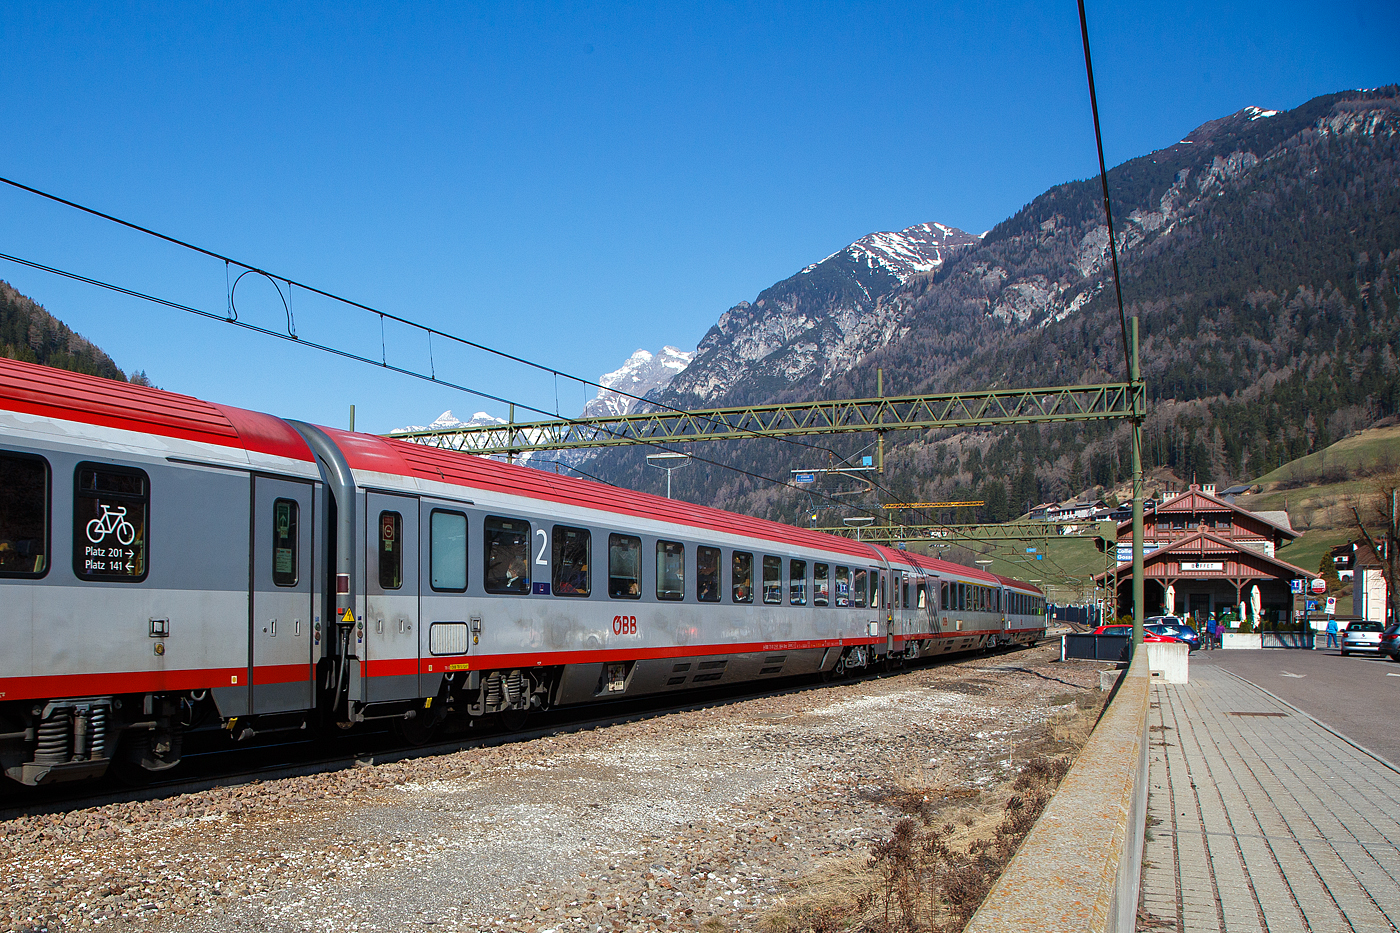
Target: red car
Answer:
[[1147, 636]]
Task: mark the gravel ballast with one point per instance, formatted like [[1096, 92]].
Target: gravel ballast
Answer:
[[706, 817]]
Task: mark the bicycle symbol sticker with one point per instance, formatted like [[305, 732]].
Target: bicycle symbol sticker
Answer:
[[112, 520]]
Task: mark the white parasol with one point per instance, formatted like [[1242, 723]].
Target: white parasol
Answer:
[[1171, 600], [1256, 602], [1241, 618]]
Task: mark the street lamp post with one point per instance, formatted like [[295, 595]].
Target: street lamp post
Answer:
[[858, 522], [668, 461]]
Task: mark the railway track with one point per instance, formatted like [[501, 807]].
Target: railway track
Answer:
[[328, 753]]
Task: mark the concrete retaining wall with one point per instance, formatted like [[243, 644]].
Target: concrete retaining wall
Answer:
[[1169, 661], [1078, 869]]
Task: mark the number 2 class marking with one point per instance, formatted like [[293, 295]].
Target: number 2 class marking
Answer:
[[624, 625], [544, 543]]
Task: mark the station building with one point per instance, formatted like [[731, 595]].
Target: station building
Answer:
[[1202, 554]]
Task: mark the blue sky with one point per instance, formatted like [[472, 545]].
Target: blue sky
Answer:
[[566, 182]]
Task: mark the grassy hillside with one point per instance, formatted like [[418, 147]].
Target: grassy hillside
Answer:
[[1367, 452]]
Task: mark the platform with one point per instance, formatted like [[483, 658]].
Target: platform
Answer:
[[1262, 818]]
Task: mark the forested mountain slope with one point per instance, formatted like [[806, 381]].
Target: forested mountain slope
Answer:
[[31, 334], [1260, 254]]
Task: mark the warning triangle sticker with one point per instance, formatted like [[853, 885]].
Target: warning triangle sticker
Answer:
[[348, 617]]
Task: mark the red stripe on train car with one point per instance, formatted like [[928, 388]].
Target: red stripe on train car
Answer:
[[281, 674], [489, 662], [105, 684]]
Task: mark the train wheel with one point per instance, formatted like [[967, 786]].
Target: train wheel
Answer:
[[513, 720], [420, 730]]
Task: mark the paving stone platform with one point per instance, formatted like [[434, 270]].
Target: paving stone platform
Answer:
[[1260, 818]]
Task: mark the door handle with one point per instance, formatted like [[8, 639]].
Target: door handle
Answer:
[[274, 628], [379, 626]]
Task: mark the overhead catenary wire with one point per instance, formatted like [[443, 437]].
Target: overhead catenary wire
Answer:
[[1103, 178], [350, 302], [384, 364], [383, 315]]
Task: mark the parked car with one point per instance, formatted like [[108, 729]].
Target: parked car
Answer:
[[1361, 636], [1174, 626], [1390, 642], [1148, 635]]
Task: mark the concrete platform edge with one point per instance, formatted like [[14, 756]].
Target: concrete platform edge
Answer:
[[1078, 869]]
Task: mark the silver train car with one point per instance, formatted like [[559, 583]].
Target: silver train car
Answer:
[[170, 566]]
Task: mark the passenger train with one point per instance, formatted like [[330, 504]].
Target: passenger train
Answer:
[[170, 565]]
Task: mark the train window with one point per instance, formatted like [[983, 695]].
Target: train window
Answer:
[[797, 582], [24, 516], [284, 542], [707, 574], [858, 590], [874, 588], [571, 554], [904, 602], [820, 585], [998, 607], [741, 577], [110, 510], [390, 550], [624, 567], [447, 551], [923, 596], [507, 555], [670, 570], [773, 580], [843, 586]]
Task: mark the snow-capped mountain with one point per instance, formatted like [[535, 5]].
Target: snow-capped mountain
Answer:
[[642, 373], [921, 248], [449, 420], [819, 321]]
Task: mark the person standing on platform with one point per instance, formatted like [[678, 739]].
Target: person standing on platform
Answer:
[[1212, 632], [1332, 632]]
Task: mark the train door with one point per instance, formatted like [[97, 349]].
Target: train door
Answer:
[[281, 672], [391, 597]]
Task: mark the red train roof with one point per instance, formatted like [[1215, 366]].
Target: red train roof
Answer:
[[58, 393], [368, 452]]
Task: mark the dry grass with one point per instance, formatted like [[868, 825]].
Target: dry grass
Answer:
[[946, 849]]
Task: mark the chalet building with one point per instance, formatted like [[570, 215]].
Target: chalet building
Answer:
[[1344, 559], [1203, 554], [1370, 598]]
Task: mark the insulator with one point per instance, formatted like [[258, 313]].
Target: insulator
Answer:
[[54, 734]]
